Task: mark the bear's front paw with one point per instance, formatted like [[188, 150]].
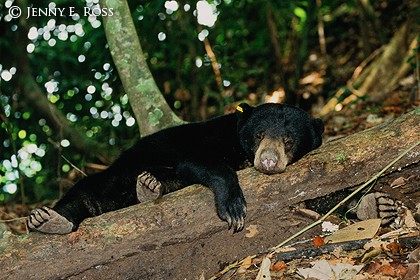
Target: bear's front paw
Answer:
[[47, 220], [148, 187], [233, 211], [377, 205]]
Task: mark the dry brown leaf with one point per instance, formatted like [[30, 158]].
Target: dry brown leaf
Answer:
[[375, 244], [373, 268], [395, 233], [343, 259], [278, 266], [414, 256], [394, 247], [245, 265], [252, 231], [318, 241], [370, 254], [393, 269], [337, 252], [387, 270], [324, 270], [412, 271], [361, 230], [264, 272], [401, 181], [409, 220], [399, 270]]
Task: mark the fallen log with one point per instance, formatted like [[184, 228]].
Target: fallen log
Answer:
[[181, 237]]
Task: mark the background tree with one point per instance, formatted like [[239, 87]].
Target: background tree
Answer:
[[61, 96], [152, 111]]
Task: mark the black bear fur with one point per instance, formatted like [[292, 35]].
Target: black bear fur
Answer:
[[269, 136]]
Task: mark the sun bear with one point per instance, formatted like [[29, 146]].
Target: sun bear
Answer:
[[209, 153]]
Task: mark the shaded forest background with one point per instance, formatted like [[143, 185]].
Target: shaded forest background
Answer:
[[63, 107]]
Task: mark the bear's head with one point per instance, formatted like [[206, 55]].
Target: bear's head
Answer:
[[275, 135]]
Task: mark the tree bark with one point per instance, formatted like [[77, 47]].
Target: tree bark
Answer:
[[269, 17], [378, 79], [148, 104], [180, 236], [376, 84]]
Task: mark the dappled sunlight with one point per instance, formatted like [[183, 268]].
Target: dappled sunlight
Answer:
[[205, 56], [206, 13]]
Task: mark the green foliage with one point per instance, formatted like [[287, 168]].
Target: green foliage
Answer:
[[70, 61], [71, 64]]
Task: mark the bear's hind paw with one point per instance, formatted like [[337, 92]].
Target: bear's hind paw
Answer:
[[148, 187], [47, 220], [377, 205]]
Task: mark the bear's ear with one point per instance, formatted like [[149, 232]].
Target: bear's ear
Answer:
[[243, 110], [318, 126]]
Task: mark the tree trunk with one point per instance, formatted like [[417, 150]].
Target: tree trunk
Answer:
[[378, 79], [376, 84], [148, 104], [269, 17], [180, 236]]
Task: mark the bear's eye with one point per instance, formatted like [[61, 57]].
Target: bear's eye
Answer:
[[288, 142], [260, 135]]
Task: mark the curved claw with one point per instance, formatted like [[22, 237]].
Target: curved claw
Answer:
[[47, 220], [229, 221], [233, 212], [148, 187], [378, 205]]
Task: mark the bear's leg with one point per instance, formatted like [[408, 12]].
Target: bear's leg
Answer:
[[89, 197], [223, 181], [148, 187]]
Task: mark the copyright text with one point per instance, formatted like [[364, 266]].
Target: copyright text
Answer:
[[15, 12]]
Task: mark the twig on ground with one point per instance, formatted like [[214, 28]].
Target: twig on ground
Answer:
[[407, 242]]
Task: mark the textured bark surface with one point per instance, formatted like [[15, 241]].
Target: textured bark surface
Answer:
[[150, 108], [180, 236], [377, 83], [382, 74]]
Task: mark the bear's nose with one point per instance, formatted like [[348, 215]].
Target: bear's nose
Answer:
[[268, 160], [268, 164]]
